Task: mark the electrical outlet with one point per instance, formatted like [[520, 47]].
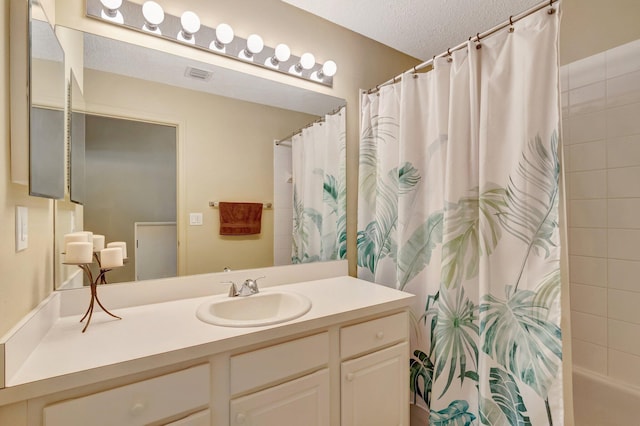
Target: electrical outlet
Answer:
[[22, 228], [195, 218]]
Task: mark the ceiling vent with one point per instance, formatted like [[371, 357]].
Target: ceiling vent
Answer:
[[198, 74]]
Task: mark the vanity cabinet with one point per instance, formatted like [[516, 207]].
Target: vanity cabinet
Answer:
[[185, 392], [375, 386], [275, 385], [348, 374], [301, 401]]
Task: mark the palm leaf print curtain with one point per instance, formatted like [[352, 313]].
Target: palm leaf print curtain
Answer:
[[458, 204], [319, 192]]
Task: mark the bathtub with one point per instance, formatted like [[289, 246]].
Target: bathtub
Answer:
[[600, 401]]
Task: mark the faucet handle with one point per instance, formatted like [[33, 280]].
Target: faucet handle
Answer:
[[252, 284], [233, 289]]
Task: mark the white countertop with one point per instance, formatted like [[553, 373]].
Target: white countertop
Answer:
[[150, 336]]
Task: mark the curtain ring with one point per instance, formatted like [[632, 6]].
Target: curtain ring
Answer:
[[511, 29], [478, 46], [449, 58], [551, 10]]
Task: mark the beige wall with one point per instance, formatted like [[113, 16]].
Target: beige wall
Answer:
[[589, 26]]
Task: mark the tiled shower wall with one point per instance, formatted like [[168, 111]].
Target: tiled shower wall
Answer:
[[601, 127]]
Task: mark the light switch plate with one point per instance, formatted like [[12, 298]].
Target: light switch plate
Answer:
[[22, 228], [195, 218]]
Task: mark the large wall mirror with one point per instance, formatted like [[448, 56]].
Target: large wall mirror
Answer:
[[156, 138]]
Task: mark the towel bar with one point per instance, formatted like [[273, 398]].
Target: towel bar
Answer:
[[216, 204]]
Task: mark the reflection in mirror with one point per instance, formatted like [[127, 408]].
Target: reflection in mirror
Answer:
[[224, 125], [47, 94]]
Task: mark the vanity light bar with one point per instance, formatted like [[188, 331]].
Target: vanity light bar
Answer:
[[187, 29]]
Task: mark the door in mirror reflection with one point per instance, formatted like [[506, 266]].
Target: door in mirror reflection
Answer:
[[131, 176]]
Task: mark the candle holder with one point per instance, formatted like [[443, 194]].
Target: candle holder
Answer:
[[100, 279], [83, 249]]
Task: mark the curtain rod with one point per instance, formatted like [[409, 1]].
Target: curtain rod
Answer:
[[477, 37], [278, 142]]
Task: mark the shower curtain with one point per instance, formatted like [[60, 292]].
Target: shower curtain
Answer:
[[319, 191], [458, 204]]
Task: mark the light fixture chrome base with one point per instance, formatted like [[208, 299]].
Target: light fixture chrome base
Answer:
[[171, 29]]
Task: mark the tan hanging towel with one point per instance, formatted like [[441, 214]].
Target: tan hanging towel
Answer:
[[240, 218]]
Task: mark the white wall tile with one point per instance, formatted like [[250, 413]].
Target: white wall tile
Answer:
[[589, 355], [623, 306], [587, 99], [623, 244], [623, 275], [590, 328], [623, 182], [564, 103], [588, 270], [623, 152], [623, 213], [566, 131], [587, 71], [623, 121], [587, 156], [564, 78], [585, 185], [588, 127], [624, 367], [588, 299], [623, 59], [588, 213], [623, 336], [588, 242], [623, 90]]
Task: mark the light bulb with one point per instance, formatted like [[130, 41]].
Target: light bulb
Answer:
[[224, 35], [111, 7], [190, 25], [153, 16], [282, 53], [307, 61], [329, 69], [254, 44], [190, 22]]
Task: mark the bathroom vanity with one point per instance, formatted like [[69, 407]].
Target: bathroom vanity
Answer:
[[343, 362]]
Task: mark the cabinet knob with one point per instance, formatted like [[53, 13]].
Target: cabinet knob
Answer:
[[137, 408], [350, 377], [240, 418], [379, 335]]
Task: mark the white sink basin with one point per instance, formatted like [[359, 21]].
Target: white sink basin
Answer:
[[269, 307]]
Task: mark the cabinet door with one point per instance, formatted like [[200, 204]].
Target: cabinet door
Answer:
[[304, 401], [201, 418], [375, 388]]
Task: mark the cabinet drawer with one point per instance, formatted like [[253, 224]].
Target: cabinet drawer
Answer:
[[263, 366], [138, 403], [371, 335]]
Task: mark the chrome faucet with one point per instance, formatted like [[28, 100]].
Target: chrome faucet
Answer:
[[249, 287]]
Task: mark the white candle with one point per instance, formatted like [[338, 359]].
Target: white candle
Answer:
[[79, 252], [122, 245], [98, 242], [111, 258], [74, 237], [88, 236]]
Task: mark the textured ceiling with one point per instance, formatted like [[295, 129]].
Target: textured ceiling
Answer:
[[419, 28]]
